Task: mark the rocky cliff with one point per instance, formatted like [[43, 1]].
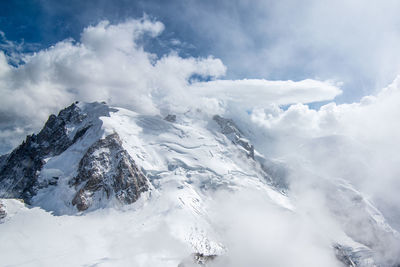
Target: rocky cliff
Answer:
[[107, 170]]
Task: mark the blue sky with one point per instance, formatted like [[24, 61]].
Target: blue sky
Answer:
[[346, 41]]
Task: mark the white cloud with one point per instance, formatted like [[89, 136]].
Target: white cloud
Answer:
[[108, 64], [256, 92], [351, 41], [358, 142]]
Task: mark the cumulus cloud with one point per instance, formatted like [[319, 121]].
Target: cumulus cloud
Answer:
[[109, 64], [353, 42], [106, 64]]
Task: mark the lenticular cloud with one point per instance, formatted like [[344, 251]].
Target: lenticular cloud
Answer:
[[258, 92]]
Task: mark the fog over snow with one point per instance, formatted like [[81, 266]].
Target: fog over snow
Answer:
[[357, 142]]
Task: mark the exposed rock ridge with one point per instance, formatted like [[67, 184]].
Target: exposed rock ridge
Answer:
[[354, 257], [229, 128], [19, 170], [274, 173], [107, 171]]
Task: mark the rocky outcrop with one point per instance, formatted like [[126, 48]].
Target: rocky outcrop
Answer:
[[274, 173], [170, 118], [3, 212], [350, 257], [107, 171], [19, 170], [229, 128], [197, 259]]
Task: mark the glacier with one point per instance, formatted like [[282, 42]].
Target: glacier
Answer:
[[107, 186]]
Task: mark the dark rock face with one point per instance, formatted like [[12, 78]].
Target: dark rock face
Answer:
[[3, 212], [197, 259], [53, 138], [19, 170], [3, 160], [170, 118], [202, 259], [107, 171]]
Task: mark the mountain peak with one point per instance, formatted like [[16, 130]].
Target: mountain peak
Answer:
[[19, 170], [173, 171]]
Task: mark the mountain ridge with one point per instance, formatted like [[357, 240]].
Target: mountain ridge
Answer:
[[92, 156]]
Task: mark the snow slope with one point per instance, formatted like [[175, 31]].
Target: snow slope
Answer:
[[210, 193]]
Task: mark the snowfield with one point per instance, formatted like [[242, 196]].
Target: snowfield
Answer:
[[211, 193]]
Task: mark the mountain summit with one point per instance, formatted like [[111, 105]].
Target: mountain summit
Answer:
[[174, 172]]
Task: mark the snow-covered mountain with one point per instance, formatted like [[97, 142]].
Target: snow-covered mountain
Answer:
[[106, 186]]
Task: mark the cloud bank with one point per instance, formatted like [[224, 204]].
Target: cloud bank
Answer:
[[357, 142]]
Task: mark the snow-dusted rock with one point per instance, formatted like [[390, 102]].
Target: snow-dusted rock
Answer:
[[197, 259], [229, 128], [354, 257], [19, 170], [107, 171]]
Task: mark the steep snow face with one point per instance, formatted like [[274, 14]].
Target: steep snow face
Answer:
[[194, 188]]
